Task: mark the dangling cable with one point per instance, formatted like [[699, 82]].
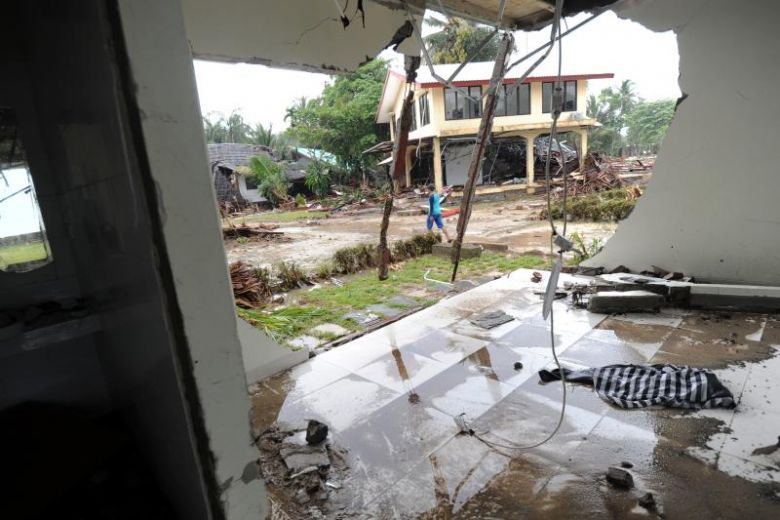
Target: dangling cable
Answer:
[[557, 105]]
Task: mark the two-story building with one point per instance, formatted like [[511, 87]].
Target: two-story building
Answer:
[[445, 123]]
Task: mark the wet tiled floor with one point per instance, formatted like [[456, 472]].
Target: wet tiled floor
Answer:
[[390, 398]]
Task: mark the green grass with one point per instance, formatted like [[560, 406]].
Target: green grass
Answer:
[[281, 216], [329, 303], [21, 253]]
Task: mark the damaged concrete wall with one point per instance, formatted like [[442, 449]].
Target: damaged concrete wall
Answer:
[[175, 150], [711, 208], [299, 34]]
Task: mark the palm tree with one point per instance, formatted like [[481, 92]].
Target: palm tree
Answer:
[[262, 135], [293, 109], [238, 130]]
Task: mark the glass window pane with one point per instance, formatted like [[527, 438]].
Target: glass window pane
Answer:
[[474, 108], [511, 104], [414, 117], [501, 109], [451, 109], [570, 96], [547, 90], [524, 99]]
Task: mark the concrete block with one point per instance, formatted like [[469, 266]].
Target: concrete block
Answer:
[[608, 302], [444, 250], [492, 246]]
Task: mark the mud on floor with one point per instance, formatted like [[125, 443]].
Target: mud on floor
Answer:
[[390, 399]]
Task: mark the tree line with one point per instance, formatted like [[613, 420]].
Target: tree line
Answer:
[[630, 125], [342, 120]]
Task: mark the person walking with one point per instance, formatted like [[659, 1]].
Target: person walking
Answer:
[[434, 212]]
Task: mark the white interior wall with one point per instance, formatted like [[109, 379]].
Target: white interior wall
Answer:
[[711, 208], [162, 70]]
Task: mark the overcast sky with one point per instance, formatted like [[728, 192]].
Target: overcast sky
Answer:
[[607, 44]]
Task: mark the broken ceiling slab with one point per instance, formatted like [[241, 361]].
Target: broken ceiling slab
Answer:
[[313, 36], [296, 34], [518, 14]]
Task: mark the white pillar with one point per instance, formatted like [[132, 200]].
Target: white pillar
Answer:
[[583, 146], [438, 175], [529, 162]]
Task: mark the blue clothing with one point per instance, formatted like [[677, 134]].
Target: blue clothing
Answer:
[[434, 204], [432, 219]]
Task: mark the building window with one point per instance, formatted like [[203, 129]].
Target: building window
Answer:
[[457, 106], [514, 100], [251, 182], [425, 113], [24, 245], [414, 118], [569, 96]]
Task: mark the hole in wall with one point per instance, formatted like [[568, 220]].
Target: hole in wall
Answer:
[[24, 245]]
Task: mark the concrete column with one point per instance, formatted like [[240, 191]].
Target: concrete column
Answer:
[[410, 151], [438, 172], [583, 146], [529, 163]]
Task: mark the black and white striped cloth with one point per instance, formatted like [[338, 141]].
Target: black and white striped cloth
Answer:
[[640, 386]]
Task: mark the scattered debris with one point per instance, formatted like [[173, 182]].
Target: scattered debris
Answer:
[[301, 456], [536, 277], [333, 484], [257, 231], [316, 432], [302, 473], [492, 319], [767, 450], [608, 302], [647, 501], [518, 365], [620, 478], [248, 289]]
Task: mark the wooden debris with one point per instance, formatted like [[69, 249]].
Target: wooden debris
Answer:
[[257, 231], [248, 289]]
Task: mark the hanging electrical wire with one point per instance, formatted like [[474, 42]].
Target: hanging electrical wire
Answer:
[[557, 106]]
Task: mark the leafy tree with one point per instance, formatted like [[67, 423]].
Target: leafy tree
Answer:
[[317, 178], [611, 109], [342, 120], [647, 124], [233, 129], [457, 39], [214, 128], [269, 177], [238, 131]]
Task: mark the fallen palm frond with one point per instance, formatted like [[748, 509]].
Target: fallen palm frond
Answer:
[[282, 322]]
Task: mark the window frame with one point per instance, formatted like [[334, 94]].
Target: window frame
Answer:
[[503, 98], [466, 107], [424, 110], [547, 100]]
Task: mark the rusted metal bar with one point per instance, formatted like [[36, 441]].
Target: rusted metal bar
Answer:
[[398, 169], [483, 136]]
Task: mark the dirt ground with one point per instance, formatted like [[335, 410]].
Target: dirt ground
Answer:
[[512, 222]]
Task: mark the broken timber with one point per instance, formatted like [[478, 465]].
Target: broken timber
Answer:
[[485, 127], [412, 63]]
